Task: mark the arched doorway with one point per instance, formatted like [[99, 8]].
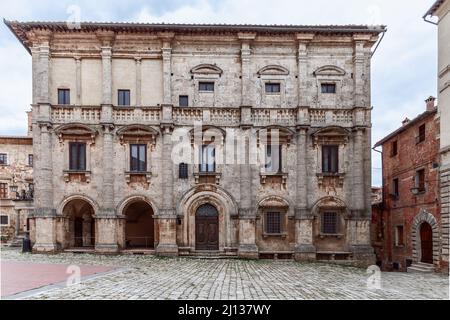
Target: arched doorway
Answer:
[[426, 243], [207, 228], [139, 227], [81, 224]]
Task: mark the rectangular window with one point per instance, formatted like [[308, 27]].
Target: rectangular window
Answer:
[[183, 171], [63, 96], [273, 222], [273, 88], [395, 189], [206, 86], [183, 101], [207, 158], [329, 223], [330, 159], [3, 191], [420, 180], [273, 158], [124, 98], [30, 160], [394, 148], [138, 156], [4, 220], [77, 155], [3, 159], [328, 87], [399, 240], [421, 136]]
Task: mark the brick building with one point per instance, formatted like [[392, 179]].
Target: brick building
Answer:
[[407, 227]]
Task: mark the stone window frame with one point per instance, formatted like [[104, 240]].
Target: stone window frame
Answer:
[[329, 74], [272, 74], [219, 145], [416, 180], [205, 73], [340, 227], [137, 134], [76, 132], [283, 211]]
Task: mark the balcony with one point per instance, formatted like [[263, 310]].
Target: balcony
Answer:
[[218, 116]]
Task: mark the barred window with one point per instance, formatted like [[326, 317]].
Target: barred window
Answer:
[[30, 160], [329, 223], [4, 220], [273, 222]]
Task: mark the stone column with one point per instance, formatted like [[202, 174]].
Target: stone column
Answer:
[[247, 215], [167, 217], [304, 247], [106, 219], [107, 110], [138, 82]]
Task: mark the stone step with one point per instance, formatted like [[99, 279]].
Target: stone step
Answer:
[[16, 242], [421, 268]]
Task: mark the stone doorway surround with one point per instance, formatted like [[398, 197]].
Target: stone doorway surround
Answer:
[[427, 217]]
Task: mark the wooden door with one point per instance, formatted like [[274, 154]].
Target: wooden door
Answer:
[[78, 232], [426, 242], [207, 228]]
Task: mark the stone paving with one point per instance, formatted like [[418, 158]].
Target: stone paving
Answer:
[[149, 277]]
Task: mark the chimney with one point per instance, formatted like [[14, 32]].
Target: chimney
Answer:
[[406, 121], [430, 103]]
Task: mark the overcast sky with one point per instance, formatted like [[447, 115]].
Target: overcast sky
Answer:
[[403, 68]]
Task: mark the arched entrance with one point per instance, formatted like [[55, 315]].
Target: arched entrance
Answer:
[[139, 225], [81, 224], [207, 228], [426, 242]]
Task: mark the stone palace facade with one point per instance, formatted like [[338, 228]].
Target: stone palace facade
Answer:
[[237, 140]]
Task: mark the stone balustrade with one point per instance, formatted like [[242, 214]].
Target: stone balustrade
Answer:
[[259, 117]]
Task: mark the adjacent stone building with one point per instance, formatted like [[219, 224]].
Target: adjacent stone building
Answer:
[[441, 10], [409, 224], [16, 186], [243, 140]]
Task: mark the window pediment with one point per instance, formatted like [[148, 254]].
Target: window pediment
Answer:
[[76, 131], [137, 134], [329, 70], [274, 70], [331, 135], [207, 69], [207, 134], [273, 134], [274, 202]]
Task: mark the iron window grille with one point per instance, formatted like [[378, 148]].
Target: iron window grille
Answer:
[[329, 223], [273, 222]]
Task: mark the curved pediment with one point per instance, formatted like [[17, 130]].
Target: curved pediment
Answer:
[[273, 202], [206, 69], [137, 133], [330, 203], [208, 133], [274, 70], [329, 70], [333, 134], [76, 131], [272, 133]]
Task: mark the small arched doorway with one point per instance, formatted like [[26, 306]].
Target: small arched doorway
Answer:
[[139, 227], [207, 228], [81, 224], [426, 243]]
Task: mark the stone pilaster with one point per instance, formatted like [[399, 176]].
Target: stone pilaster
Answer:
[[359, 76], [357, 169], [247, 216], [138, 82], [78, 96], [246, 39], [107, 206], [166, 52], [107, 110], [106, 238], [303, 41], [167, 218]]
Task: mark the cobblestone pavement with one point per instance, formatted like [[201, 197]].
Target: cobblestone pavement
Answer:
[[148, 277]]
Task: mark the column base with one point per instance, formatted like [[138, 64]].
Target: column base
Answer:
[[45, 248], [363, 255], [106, 248], [167, 250], [305, 252], [248, 251]]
